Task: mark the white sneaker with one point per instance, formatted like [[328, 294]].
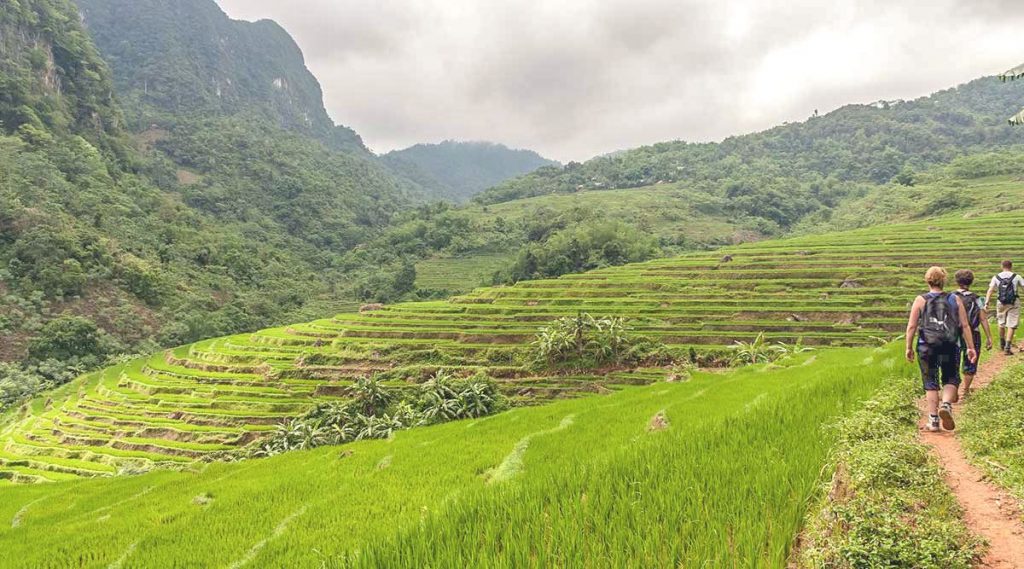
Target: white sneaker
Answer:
[[946, 414]]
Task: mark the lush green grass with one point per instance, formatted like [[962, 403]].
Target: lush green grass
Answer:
[[577, 481], [886, 505], [992, 428]]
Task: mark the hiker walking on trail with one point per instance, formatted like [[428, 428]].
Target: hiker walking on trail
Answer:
[[976, 317], [1007, 284], [942, 322]]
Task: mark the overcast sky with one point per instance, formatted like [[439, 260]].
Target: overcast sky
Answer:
[[576, 78]]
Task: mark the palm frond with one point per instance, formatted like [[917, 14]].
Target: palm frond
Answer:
[[1017, 119], [1015, 73]]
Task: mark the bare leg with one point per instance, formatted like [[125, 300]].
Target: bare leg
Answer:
[[932, 401], [948, 394], [1009, 336], [968, 379]]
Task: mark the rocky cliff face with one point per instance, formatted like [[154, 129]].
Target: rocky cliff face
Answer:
[[51, 75], [187, 57]]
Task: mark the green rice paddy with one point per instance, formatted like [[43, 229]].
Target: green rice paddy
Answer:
[[725, 479]]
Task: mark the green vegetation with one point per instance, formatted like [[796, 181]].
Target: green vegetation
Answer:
[[444, 276], [463, 248], [839, 289], [215, 225], [187, 58], [579, 249], [457, 171], [787, 172], [375, 413], [52, 79], [584, 342], [699, 484], [886, 505], [992, 430]]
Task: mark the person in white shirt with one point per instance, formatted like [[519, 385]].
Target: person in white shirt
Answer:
[[1008, 285]]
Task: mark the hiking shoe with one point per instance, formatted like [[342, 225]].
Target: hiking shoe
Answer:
[[946, 415], [933, 423], [1008, 351], [1002, 344]]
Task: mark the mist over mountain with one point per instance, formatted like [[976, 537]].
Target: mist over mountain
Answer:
[[458, 171]]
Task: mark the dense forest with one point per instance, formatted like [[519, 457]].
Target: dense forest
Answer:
[[457, 171], [113, 242]]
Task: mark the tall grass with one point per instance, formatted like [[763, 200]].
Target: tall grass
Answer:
[[727, 483]]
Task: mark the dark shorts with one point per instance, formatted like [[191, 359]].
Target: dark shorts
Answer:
[[938, 363], [968, 367]]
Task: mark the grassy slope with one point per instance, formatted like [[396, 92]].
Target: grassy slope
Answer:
[[671, 213], [667, 212], [729, 479]]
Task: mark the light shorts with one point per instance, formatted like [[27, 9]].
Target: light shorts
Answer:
[[1008, 315]]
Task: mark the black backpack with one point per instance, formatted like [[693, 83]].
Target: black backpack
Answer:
[[970, 301], [1008, 289], [940, 321]]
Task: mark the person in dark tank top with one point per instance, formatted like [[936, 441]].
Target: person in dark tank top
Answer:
[[938, 321]]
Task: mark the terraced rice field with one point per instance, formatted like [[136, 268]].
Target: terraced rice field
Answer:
[[723, 480], [460, 273], [197, 401]]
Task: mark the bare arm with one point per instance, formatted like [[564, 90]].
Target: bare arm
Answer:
[[968, 334], [987, 328], [988, 295], [915, 315]]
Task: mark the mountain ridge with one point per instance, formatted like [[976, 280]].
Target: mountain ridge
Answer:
[[458, 170], [855, 143]]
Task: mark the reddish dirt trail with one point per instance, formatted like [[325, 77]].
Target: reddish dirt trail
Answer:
[[989, 511]]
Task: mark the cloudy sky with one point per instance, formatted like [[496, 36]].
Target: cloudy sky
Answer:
[[577, 78]]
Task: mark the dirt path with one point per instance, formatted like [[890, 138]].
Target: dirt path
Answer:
[[988, 510]]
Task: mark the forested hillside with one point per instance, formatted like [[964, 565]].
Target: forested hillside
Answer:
[[109, 245], [784, 173], [457, 171], [236, 123]]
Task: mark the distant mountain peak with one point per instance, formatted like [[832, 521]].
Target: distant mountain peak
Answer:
[[458, 170]]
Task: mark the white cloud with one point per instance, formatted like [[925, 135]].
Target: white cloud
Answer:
[[577, 78]]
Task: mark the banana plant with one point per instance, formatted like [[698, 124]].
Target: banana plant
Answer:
[[371, 395], [1013, 75], [755, 352]]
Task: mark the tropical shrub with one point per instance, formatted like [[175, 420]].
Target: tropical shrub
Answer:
[[756, 352], [374, 413], [585, 341], [446, 398]]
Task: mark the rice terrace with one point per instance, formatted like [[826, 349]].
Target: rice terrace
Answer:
[[234, 333]]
